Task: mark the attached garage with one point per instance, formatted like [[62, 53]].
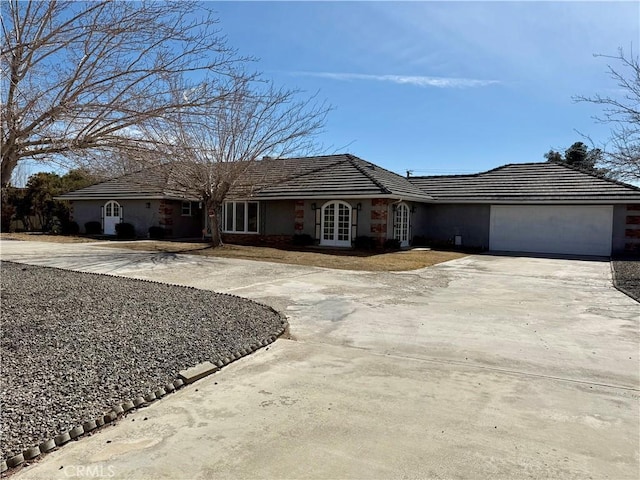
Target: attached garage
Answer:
[[556, 229]]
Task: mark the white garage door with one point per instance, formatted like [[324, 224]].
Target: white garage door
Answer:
[[579, 230]]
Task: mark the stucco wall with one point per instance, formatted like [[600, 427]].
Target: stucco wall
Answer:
[[178, 225], [279, 217], [289, 217], [141, 217], [441, 223], [83, 211]]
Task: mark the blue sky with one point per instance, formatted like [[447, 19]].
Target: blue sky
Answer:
[[441, 87]]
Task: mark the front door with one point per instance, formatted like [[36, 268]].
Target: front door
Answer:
[[336, 224], [401, 224], [112, 216]]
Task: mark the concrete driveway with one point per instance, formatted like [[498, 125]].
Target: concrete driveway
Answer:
[[486, 366]]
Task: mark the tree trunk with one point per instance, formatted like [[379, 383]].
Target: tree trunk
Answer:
[[213, 209], [9, 163]]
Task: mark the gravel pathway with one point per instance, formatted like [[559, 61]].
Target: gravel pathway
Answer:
[[627, 277], [73, 344]]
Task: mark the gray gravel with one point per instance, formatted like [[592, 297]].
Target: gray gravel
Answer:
[[73, 345], [627, 276]]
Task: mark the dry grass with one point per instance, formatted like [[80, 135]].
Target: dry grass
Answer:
[[314, 257], [41, 237]]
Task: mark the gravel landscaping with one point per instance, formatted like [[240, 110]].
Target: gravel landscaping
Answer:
[[74, 345], [627, 277]]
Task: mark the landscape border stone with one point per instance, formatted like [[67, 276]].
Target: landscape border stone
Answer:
[[89, 425], [197, 372], [15, 460], [31, 452], [150, 397], [62, 438], [78, 431], [47, 445]]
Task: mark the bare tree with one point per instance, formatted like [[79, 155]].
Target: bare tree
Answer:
[[82, 79], [622, 153], [215, 150]]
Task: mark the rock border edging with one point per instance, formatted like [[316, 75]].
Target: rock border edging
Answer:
[[123, 409], [617, 286]]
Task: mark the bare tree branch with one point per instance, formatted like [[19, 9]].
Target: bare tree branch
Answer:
[[622, 112], [83, 77], [214, 150]]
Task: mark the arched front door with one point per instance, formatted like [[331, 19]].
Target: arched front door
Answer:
[[401, 219], [336, 224], [112, 216]]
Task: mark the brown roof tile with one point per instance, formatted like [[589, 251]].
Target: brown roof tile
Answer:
[[527, 182]]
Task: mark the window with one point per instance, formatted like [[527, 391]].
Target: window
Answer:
[[240, 217], [186, 209]]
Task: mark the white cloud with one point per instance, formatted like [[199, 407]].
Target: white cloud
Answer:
[[420, 81]]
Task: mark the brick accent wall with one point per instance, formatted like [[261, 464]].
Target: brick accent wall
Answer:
[[632, 229], [379, 219]]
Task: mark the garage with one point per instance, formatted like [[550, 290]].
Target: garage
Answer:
[[558, 229]]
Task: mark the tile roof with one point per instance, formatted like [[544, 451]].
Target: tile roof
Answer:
[[150, 183], [527, 183], [327, 176], [341, 175]]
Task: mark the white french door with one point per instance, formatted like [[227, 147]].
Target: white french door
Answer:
[[336, 224], [401, 224]]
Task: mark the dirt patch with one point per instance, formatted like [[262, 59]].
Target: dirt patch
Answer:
[[314, 257], [341, 259], [42, 237]]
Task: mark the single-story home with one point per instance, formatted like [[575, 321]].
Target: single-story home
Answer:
[[541, 207]]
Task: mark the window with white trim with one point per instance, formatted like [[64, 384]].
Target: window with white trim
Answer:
[[186, 209], [240, 217]]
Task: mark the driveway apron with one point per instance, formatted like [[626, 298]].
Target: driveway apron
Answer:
[[486, 366]]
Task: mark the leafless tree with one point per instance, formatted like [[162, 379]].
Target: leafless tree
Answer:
[[622, 111], [216, 149], [85, 78]]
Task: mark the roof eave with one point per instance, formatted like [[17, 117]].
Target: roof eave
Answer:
[[337, 195], [576, 201], [127, 197]]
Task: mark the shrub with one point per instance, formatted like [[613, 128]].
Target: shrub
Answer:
[[364, 242], [93, 228], [71, 228], [302, 240], [392, 244], [125, 230], [156, 233]]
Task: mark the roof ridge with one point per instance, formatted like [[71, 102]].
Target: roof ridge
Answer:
[[353, 160], [592, 174], [561, 164]]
